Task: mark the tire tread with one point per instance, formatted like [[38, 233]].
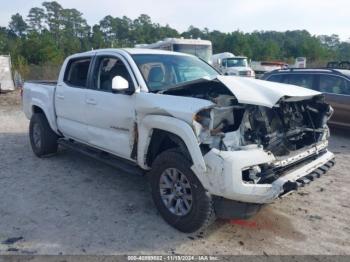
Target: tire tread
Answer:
[[48, 136]]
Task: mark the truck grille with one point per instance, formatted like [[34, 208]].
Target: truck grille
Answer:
[[244, 73]]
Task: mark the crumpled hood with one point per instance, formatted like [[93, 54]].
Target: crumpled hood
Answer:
[[246, 91], [264, 93]]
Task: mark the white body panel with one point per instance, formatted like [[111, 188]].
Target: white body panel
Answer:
[[41, 96], [108, 121], [71, 112]]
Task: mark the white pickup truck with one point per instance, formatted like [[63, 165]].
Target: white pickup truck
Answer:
[[213, 145]]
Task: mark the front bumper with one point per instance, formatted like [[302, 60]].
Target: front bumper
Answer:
[[224, 175]]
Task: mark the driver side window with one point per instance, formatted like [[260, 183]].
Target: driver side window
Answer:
[[106, 68], [223, 62]]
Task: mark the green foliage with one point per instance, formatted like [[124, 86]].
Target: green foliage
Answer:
[[51, 32], [36, 19], [18, 25]]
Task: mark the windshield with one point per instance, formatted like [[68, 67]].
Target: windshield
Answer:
[[162, 72], [235, 62], [202, 51]]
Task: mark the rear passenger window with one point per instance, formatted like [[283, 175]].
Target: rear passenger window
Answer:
[[275, 78], [303, 80], [334, 85], [77, 72]]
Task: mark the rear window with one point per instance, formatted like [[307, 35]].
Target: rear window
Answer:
[[334, 85], [303, 80], [77, 72]]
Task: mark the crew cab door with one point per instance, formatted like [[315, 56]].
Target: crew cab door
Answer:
[[110, 115], [70, 99]]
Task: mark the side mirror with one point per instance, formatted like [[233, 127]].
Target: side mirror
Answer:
[[219, 62], [119, 84]]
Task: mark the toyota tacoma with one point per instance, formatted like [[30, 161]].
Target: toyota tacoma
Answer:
[[211, 145]]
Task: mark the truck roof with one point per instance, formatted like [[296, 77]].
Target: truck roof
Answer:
[[132, 51], [136, 51]]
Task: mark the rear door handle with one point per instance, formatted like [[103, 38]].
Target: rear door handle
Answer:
[[91, 101], [60, 96]]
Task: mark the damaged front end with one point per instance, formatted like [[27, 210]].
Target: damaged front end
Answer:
[[282, 130], [262, 150]]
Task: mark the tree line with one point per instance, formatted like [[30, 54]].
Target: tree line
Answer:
[[49, 33]]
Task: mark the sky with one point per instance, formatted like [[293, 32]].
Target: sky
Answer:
[[316, 16]]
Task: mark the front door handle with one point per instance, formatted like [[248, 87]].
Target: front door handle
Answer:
[[91, 101]]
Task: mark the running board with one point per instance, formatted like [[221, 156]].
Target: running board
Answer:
[[102, 156]]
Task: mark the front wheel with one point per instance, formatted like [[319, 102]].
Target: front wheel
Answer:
[[178, 194], [42, 138]]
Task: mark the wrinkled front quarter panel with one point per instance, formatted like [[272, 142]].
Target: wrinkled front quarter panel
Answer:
[[180, 107], [173, 114]]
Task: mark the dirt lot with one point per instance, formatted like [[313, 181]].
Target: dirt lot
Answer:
[[70, 204]]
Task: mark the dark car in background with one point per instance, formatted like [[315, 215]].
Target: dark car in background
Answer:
[[334, 83]]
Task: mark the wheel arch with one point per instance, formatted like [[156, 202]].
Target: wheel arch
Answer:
[[161, 141], [159, 133], [38, 108]]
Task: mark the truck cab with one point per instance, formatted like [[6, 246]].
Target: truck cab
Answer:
[[229, 64]]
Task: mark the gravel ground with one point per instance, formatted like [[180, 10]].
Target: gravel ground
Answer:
[[70, 204]]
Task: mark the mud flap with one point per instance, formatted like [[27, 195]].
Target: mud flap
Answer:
[[230, 209]]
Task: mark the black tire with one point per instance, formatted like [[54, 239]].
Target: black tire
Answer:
[[201, 214], [40, 128]]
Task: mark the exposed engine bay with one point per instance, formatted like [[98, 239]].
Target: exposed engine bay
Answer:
[[292, 124]]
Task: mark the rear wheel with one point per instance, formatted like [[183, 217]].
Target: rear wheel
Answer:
[[42, 138], [178, 194]]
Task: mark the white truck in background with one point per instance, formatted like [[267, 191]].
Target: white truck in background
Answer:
[[211, 145], [300, 62], [229, 64], [262, 67]]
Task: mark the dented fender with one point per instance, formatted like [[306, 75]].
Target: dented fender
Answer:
[[176, 127]]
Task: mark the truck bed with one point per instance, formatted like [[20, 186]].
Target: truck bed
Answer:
[[40, 94]]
